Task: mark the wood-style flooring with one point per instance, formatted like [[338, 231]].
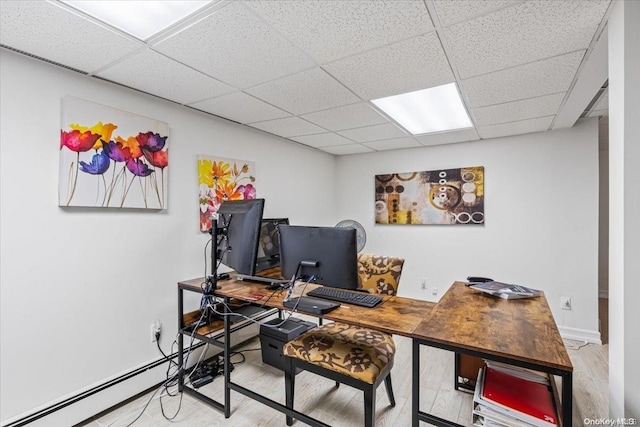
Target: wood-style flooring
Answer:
[[343, 406]]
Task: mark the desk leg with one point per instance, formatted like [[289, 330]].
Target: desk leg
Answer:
[[180, 342], [415, 381], [227, 361], [567, 399]]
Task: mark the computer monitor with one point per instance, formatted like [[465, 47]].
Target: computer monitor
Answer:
[[269, 244], [238, 232], [327, 253]]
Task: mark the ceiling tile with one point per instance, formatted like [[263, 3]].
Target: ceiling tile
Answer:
[[340, 150], [308, 91], [518, 110], [288, 127], [241, 108], [57, 34], [410, 65], [347, 117], [154, 73], [516, 128], [328, 30], [525, 81], [236, 47], [373, 133], [523, 33], [322, 140], [392, 144], [452, 11], [448, 137]]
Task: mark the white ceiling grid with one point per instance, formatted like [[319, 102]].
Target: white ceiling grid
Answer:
[[307, 70]]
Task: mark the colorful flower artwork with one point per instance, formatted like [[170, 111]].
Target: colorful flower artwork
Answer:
[[222, 179], [110, 158], [445, 196]]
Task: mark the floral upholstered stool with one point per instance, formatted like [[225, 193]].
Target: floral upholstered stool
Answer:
[[356, 356]]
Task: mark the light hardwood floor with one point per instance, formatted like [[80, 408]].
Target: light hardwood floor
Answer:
[[344, 406]]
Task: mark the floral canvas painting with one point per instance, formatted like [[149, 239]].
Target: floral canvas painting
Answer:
[[111, 158], [222, 179], [446, 196]]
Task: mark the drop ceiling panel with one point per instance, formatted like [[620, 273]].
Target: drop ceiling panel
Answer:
[[448, 137], [288, 127], [340, 150], [373, 133], [346, 117], [452, 11], [518, 110], [235, 46], [392, 144], [240, 107], [525, 81], [410, 65], [522, 34], [154, 73], [328, 30], [308, 91], [516, 128], [60, 35], [322, 140]]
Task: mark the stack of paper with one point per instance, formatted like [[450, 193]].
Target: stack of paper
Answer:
[[507, 396], [505, 290]]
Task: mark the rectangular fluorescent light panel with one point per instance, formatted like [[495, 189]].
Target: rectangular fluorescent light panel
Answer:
[[437, 109], [141, 19]]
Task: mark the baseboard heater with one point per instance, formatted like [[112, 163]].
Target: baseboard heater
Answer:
[[115, 381]]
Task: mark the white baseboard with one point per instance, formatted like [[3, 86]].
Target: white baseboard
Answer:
[[576, 334]]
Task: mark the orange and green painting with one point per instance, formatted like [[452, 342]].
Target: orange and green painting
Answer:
[[222, 179]]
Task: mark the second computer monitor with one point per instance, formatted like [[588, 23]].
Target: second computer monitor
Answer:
[[329, 254], [239, 230], [269, 247]]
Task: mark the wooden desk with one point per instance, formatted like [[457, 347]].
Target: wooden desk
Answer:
[[394, 315], [519, 332]]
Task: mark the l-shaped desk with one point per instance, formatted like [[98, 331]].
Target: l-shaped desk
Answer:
[[518, 332]]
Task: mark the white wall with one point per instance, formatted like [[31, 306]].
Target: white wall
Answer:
[[541, 212], [624, 196], [80, 287]]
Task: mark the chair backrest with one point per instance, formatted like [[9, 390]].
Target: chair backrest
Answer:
[[379, 274]]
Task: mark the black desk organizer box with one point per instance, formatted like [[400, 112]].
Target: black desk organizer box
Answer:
[[273, 338]]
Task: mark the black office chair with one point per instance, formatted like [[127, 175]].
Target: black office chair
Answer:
[[357, 356]]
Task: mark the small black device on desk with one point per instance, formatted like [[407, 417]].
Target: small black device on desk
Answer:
[[311, 305], [356, 298]]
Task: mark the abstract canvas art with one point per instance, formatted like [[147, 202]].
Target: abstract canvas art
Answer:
[[446, 196], [221, 179], [111, 158]]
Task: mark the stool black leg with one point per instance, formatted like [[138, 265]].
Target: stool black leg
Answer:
[[289, 385], [369, 406], [389, 388]]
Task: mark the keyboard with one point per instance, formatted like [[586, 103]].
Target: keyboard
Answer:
[[340, 295]]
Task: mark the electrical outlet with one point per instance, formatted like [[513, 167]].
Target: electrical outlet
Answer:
[[156, 328], [565, 303], [434, 291], [423, 284]]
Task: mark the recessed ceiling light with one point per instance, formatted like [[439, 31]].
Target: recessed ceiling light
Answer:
[[141, 19], [436, 109]]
